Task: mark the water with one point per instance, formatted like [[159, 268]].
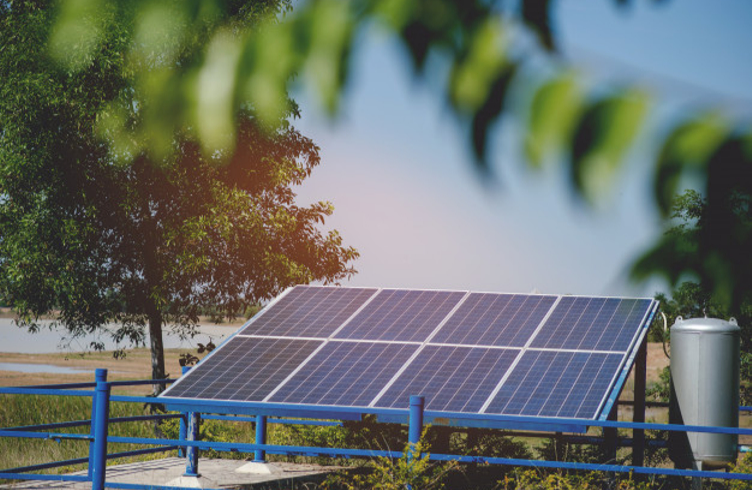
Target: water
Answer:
[[20, 341], [40, 368]]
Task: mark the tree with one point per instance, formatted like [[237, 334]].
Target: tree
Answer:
[[99, 233], [486, 59], [679, 252]]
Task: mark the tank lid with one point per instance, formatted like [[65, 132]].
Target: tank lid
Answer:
[[706, 325]]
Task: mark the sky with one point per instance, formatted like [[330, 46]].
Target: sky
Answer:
[[398, 170]]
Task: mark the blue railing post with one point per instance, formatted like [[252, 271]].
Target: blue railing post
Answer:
[[99, 375], [260, 454], [102, 412], [191, 452], [182, 429], [415, 426]]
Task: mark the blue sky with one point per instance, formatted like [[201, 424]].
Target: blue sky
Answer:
[[397, 169]]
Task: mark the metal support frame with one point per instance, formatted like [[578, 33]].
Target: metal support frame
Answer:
[[638, 414], [610, 436], [415, 427], [99, 375], [100, 426], [192, 452], [183, 423], [260, 454]]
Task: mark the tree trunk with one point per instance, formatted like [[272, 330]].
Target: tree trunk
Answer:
[[157, 351]]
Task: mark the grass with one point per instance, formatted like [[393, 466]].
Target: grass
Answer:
[[18, 410]]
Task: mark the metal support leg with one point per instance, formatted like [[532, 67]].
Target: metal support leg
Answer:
[[99, 375], [102, 412], [260, 454], [183, 425], [191, 453], [416, 420], [415, 425], [640, 377], [610, 435]]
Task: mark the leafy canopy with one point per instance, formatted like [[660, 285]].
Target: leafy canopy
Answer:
[[489, 54], [101, 232]]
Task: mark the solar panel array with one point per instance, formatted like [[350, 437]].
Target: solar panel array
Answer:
[[466, 352]]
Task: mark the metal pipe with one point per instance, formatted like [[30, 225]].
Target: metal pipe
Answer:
[[416, 419], [102, 413], [192, 452], [182, 428], [260, 455], [100, 375]]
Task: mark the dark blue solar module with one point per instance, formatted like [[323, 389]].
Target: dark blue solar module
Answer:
[[245, 369], [401, 315], [608, 324], [495, 319], [466, 352], [557, 384], [309, 311], [345, 373], [452, 379]]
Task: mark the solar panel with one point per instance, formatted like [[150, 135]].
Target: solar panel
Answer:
[[245, 369], [495, 319], [466, 352], [592, 324], [401, 315], [345, 373], [452, 379], [556, 384], [309, 312]]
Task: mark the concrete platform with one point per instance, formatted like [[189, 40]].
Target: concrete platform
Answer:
[[215, 473]]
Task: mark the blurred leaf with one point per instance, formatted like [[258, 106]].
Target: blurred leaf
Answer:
[[487, 114], [689, 145], [553, 112], [603, 136], [473, 77], [535, 14], [215, 104], [331, 25], [77, 32]]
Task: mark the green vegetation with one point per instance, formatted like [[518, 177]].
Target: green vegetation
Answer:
[[94, 232], [487, 62], [19, 410]]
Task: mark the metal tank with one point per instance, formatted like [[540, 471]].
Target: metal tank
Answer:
[[704, 390]]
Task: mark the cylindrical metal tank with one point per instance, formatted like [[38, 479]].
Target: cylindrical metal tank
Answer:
[[704, 390]]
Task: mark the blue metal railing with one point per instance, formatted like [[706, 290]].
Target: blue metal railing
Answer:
[[190, 445]]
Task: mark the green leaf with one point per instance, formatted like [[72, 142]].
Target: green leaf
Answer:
[[688, 146], [553, 112], [604, 134], [77, 32]]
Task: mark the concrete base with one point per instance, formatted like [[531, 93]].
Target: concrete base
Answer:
[[256, 468], [192, 482]]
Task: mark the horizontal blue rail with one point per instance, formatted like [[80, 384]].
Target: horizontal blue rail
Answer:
[[23, 390], [235, 418]]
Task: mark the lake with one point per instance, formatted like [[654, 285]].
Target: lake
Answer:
[[18, 340]]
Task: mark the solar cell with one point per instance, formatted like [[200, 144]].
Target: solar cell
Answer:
[[495, 319], [309, 311], [245, 369], [453, 379], [401, 315], [556, 384], [583, 323], [345, 373]]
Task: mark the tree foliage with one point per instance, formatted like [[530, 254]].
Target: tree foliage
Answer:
[[680, 250], [100, 233], [488, 55]]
